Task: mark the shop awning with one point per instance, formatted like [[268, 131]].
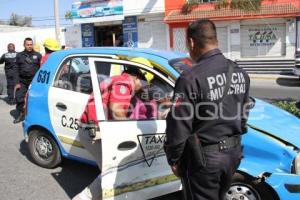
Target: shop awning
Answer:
[[266, 11]]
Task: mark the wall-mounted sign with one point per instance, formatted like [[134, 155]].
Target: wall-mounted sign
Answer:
[[264, 36], [87, 32], [88, 11], [261, 40], [130, 32]]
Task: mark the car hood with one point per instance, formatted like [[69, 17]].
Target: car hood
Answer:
[[276, 122]]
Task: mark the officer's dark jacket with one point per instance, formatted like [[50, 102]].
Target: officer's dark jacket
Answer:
[[199, 109], [9, 59], [27, 64]]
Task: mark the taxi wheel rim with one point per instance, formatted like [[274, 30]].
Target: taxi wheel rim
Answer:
[[241, 192], [43, 147]]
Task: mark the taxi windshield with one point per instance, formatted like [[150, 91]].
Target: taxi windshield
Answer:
[[181, 64]]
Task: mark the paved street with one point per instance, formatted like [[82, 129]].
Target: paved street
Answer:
[[20, 179], [275, 87]]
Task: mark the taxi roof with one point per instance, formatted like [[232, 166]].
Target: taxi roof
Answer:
[[160, 56], [168, 55]]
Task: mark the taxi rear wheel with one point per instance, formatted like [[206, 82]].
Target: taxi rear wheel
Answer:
[[247, 188], [43, 149]]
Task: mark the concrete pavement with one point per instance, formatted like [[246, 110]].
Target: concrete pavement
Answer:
[[275, 86]]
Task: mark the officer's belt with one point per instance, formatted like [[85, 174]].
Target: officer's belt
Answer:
[[224, 144]]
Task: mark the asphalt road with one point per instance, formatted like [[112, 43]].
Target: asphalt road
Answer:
[[275, 87], [20, 179]]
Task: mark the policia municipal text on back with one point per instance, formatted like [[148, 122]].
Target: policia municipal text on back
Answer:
[[207, 118]]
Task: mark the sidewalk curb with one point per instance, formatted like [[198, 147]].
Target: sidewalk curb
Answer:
[[271, 77]]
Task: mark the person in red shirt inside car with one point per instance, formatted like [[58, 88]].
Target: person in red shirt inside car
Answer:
[[116, 93]]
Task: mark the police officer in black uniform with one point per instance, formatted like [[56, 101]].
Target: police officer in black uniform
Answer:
[[9, 59], [27, 64], [207, 118]]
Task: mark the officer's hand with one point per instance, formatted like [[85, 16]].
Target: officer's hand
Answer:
[[164, 114], [176, 171], [18, 86]]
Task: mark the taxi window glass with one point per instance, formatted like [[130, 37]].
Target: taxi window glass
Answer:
[[150, 102], [74, 74]]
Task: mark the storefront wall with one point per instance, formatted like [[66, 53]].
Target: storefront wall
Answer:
[[149, 15], [152, 32], [268, 39], [248, 39], [178, 36]]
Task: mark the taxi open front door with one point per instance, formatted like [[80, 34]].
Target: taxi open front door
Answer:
[[134, 165]]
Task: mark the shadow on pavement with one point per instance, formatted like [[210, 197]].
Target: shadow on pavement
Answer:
[[288, 82], [172, 196], [25, 151], [72, 176], [75, 176], [14, 113], [4, 98]]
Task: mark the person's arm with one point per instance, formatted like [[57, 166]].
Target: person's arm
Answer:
[[245, 106], [180, 120], [119, 100], [16, 72], [118, 111], [2, 59]]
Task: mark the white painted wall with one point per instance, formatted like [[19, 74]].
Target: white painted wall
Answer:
[[17, 37], [139, 7], [234, 41], [73, 36], [152, 32]]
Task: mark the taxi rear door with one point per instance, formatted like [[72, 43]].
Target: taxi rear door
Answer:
[[68, 97], [134, 163]]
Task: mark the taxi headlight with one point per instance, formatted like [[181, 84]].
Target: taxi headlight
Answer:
[[297, 164]]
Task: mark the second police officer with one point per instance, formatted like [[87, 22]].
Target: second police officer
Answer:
[[9, 59], [27, 64], [207, 118]]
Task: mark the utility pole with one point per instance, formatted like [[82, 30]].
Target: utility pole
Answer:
[[56, 16]]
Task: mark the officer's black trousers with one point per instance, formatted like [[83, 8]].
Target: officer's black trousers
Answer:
[[10, 87], [20, 97], [212, 181]]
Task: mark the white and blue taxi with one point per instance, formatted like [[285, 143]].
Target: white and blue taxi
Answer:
[[134, 163]]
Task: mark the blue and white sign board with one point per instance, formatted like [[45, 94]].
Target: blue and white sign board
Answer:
[[87, 31], [130, 32], [90, 11]]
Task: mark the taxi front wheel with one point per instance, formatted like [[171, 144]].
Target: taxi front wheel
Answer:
[[245, 187], [43, 149]]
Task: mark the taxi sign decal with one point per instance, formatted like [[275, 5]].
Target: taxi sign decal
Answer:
[[151, 145]]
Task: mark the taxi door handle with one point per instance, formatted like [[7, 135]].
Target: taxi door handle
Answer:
[[61, 106], [128, 145]]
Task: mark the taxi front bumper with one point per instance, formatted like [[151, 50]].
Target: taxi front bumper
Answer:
[[287, 186], [25, 128]]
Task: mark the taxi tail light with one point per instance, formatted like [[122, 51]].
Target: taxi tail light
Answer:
[[26, 104]]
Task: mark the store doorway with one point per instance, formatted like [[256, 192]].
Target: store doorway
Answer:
[[109, 36]]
